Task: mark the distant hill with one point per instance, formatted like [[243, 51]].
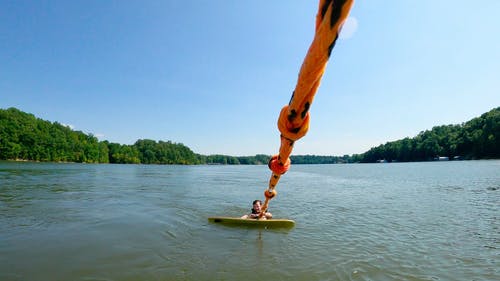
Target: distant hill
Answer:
[[478, 138], [25, 137]]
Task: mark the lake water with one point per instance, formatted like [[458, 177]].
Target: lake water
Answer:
[[398, 221]]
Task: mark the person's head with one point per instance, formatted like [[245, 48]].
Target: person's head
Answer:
[[256, 205]]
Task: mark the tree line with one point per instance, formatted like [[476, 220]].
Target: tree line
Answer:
[[25, 137], [478, 138]]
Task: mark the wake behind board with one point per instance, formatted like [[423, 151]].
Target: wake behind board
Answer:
[[275, 223]]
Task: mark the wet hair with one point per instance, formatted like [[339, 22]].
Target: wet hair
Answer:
[[253, 203]]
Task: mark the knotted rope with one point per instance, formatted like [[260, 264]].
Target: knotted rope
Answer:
[[293, 121]]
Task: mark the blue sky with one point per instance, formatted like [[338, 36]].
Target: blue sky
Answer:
[[214, 75]]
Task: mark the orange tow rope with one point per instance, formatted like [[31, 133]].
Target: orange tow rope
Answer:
[[293, 121]]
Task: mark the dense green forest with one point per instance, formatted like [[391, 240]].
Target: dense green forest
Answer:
[[22, 136], [478, 138], [25, 137]]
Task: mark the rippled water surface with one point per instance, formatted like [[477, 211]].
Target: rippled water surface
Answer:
[[401, 221]]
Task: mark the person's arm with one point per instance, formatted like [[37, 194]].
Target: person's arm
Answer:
[[253, 216], [269, 215]]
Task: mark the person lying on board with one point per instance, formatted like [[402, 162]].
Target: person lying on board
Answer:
[[257, 204]]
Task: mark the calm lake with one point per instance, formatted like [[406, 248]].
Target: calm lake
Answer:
[[398, 221]]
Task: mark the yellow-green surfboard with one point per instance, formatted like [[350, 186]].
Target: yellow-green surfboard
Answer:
[[274, 223]]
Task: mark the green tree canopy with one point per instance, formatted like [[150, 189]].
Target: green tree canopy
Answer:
[[478, 138], [23, 136]]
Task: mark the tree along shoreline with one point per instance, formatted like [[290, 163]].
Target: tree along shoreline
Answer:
[[23, 137]]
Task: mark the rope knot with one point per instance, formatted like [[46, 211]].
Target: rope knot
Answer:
[[270, 193], [278, 167], [286, 127]]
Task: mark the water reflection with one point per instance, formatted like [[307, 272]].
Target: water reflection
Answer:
[[260, 244]]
